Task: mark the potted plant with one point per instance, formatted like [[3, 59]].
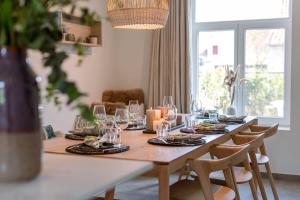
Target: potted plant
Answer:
[[29, 24]]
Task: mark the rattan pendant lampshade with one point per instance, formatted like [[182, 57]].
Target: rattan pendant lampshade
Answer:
[[138, 14]]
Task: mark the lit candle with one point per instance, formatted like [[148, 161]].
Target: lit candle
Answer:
[[152, 115]]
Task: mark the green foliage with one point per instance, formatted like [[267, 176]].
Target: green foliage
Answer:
[[29, 24], [261, 89], [212, 89]]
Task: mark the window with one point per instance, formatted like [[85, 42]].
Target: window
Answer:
[[255, 34]]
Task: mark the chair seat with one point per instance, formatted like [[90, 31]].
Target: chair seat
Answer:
[[241, 175], [191, 190], [262, 159]]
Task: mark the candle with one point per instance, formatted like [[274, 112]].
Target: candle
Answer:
[[152, 115]]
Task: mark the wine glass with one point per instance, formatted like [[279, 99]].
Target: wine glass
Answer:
[[170, 115], [133, 108], [122, 118], [99, 112], [168, 101]]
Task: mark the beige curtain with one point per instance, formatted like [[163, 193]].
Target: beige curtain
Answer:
[[169, 66]]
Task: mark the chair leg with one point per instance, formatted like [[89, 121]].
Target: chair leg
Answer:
[[253, 189], [109, 195], [259, 180], [273, 186]]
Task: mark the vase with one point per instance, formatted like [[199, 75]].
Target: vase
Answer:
[[231, 110], [20, 138]]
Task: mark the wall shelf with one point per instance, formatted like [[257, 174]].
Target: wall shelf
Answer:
[[73, 25]]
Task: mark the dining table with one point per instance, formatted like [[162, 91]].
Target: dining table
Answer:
[[74, 178], [166, 159]]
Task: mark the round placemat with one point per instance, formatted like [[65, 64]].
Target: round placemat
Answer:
[[183, 143], [74, 137], [88, 150]]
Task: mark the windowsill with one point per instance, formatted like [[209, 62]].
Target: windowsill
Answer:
[[284, 128]]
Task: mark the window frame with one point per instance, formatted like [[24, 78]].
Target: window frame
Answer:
[[240, 27]]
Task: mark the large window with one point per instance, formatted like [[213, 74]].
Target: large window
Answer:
[[254, 34]]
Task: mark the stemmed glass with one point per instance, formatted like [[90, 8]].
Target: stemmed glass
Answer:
[[122, 118], [168, 101], [170, 114]]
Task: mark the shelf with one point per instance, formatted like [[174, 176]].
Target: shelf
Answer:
[[72, 25], [83, 44]]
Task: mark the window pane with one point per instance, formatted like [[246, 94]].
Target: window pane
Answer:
[[215, 49], [264, 72], [230, 10]]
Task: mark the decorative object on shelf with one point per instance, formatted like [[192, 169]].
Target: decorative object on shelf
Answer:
[[70, 37], [93, 39], [230, 80], [30, 25], [138, 14]]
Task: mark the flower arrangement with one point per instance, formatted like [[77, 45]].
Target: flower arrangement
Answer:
[[230, 80]]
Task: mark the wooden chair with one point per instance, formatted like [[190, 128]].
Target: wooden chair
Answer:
[[202, 188], [243, 173], [262, 158]]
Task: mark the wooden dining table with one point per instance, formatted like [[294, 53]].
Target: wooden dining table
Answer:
[[166, 159]]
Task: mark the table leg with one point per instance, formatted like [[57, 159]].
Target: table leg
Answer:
[[163, 179], [109, 195]]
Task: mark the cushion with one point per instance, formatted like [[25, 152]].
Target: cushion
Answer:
[[123, 96], [48, 132]]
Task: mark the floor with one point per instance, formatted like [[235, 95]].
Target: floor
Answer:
[[145, 188]]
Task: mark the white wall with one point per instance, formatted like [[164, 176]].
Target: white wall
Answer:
[[284, 148], [133, 51], [94, 76]]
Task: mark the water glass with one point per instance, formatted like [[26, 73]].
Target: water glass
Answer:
[[134, 109], [77, 122], [122, 118], [99, 112]]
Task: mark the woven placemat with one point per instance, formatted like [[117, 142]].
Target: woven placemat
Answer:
[[177, 143], [74, 137], [84, 149]]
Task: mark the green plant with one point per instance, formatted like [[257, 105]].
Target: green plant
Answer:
[[29, 24]]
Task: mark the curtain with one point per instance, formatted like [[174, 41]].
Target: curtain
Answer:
[[169, 64]]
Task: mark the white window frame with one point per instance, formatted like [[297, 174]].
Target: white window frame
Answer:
[[239, 28]]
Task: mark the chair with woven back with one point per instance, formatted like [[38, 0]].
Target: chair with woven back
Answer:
[[201, 188]]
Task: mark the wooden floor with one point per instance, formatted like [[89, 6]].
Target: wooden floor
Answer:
[[144, 188]]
